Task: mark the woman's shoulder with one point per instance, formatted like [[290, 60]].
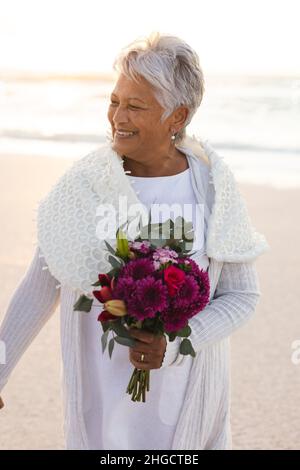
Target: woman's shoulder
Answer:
[[83, 171]]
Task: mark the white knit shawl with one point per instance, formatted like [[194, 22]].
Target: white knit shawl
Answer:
[[67, 216]]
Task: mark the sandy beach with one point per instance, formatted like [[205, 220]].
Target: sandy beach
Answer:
[[265, 382]]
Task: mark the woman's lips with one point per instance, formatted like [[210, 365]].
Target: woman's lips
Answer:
[[123, 135]]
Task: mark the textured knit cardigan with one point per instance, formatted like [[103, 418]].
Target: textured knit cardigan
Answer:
[[69, 255]]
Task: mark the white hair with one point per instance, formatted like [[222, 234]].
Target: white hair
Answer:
[[171, 66]]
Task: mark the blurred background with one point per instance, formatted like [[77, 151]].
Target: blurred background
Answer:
[[55, 78]]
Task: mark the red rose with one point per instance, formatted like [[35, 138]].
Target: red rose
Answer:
[[173, 277]]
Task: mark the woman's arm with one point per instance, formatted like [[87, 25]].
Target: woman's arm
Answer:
[[31, 305], [233, 304]]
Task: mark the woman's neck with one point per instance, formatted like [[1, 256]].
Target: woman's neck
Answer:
[[162, 167]]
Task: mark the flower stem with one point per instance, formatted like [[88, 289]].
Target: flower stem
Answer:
[[138, 385]]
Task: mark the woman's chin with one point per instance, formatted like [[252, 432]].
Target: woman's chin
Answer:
[[119, 148], [122, 143]]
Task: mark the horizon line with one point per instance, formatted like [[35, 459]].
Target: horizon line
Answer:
[[110, 76]]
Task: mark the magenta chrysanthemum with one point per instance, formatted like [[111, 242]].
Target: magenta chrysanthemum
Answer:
[[124, 289], [175, 318], [137, 269], [150, 298], [186, 293]]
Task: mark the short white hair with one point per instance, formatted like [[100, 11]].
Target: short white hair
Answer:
[[171, 66]]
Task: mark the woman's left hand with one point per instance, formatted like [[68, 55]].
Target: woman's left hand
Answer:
[[152, 346]]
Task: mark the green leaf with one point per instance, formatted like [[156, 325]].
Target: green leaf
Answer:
[[186, 348], [152, 325], [179, 221], [96, 284], [114, 272], [158, 231], [105, 325], [111, 347], [114, 262], [186, 247], [120, 329], [125, 341], [132, 322], [83, 304], [104, 340], [188, 235], [184, 332], [144, 233], [172, 336], [158, 243], [110, 248], [184, 228], [166, 227]]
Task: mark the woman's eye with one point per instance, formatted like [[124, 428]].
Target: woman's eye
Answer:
[[113, 103]]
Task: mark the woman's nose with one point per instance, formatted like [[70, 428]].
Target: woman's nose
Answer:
[[120, 115]]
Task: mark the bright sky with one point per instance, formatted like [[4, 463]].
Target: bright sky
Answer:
[[82, 36]]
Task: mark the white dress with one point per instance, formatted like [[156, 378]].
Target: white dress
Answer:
[[113, 420]]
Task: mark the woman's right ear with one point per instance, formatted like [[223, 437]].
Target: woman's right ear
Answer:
[[1, 403]]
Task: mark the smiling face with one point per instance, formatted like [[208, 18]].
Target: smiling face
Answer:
[[134, 108]]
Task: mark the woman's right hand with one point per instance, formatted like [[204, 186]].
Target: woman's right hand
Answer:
[[1, 403]]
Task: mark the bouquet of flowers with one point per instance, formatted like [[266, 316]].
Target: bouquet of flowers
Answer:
[[153, 285]]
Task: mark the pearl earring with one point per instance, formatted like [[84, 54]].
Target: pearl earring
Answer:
[[173, 137]]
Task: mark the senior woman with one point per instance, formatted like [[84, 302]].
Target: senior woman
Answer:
[[148, 159]]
